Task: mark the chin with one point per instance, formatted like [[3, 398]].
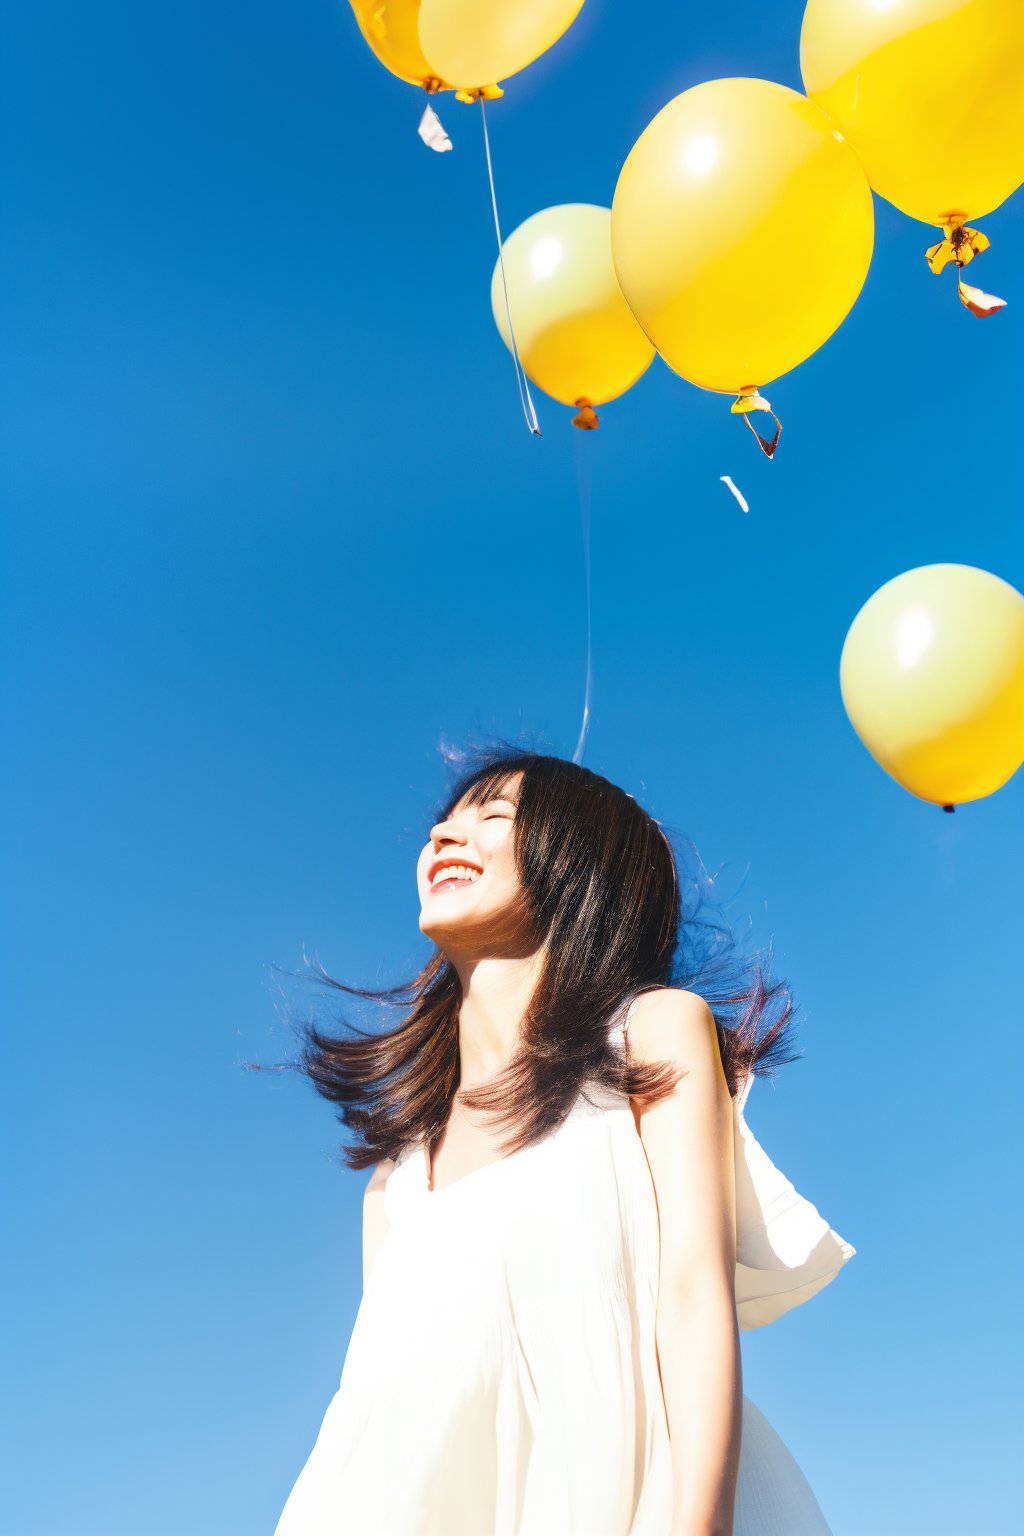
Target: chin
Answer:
[[444, 932], [435, 931], [432, 928]]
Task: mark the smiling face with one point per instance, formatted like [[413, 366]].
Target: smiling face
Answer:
[[472, 900]]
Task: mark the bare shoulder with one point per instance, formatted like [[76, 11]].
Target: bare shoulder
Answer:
[[688, 1139], [671, 1023]]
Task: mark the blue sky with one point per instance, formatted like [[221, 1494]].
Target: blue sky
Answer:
[[272, 527]]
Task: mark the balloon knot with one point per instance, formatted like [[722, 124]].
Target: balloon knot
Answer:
[[432, 84], [949, 808], [469, 94], [587, 418], [748, 400], [960, 244]]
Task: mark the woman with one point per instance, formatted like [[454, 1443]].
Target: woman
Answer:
[[568, 1221]]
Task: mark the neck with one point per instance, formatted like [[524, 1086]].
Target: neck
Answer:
[[496, 993]]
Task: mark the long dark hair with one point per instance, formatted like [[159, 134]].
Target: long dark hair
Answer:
[[603, 886]]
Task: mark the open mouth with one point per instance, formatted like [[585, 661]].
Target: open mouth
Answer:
[[454, 877]]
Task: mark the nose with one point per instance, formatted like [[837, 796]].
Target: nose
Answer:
[[444, 833]]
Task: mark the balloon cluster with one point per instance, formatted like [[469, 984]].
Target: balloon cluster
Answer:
[[739, 237], [742, 188]]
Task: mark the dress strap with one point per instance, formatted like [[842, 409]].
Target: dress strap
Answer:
[[655, 986], [620, 1021]]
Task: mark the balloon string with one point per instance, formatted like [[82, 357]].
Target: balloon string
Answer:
[[583, 489], [525, 398]]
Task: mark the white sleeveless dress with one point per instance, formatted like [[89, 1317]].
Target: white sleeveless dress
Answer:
[[502, 1378]]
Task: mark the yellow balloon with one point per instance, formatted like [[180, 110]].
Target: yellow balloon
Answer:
[[465, 45], [929, 93], [742, 231], [576, 335], [932, 677], [392, 31], [478, 42]]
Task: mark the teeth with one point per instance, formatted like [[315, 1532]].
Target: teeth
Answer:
[[456, 872]]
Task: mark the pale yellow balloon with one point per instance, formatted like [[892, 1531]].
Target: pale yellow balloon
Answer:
[[742, 231], [576, 335], [930, 94], [932, 677], [461, 44]]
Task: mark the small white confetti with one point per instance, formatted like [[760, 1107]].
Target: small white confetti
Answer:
[[432, 133], [727, 480]]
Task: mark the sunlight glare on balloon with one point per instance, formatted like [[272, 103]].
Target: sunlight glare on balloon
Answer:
[[914, 634], [546, 257], [701, 154]]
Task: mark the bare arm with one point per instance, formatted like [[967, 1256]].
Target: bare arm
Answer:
[[688, 1139], [375, 1221]]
